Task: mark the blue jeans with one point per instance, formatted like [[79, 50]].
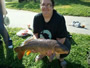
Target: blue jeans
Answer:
[[3, 30]]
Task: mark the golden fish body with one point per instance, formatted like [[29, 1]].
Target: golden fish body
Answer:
[[41, 46]]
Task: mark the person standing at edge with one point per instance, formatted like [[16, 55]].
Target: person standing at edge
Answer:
[[3, 30], [51, 25]]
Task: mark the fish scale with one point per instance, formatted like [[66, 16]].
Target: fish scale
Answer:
[[42, 46]]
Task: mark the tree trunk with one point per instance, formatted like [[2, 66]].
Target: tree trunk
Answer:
[[20, 1]]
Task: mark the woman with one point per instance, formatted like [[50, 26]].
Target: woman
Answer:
[[3, 30], [50, 25]]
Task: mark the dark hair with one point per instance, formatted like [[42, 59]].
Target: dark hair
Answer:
[[51, 1]]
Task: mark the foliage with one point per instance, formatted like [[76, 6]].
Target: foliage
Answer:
[[31, 6], [10, 0], [65, 7], [76, 59]]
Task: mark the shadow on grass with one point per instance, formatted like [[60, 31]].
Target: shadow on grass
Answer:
[[74, 65], [7, 59], [56, 64], [73, 42], [47, 64], [2, 57], [26, 37]]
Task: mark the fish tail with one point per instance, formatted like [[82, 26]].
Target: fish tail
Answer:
[[20, 53]]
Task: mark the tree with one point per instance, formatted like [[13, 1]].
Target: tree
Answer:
[[34, 0], [20, 1]]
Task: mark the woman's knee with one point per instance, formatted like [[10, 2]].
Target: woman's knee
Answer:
[[67, 44]]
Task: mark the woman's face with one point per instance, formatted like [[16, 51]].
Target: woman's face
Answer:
[[46, 7]]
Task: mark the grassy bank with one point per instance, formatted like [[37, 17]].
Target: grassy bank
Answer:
[[65, 7], [76, 59]]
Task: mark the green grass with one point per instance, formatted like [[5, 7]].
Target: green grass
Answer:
[[76, 59], [65, 7]]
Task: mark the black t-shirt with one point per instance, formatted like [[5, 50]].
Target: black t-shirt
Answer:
[[55, 28]]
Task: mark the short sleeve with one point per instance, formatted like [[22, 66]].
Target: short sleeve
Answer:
[[61, 29], [35, 25]]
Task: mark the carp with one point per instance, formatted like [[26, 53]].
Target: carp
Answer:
[[41, 46]]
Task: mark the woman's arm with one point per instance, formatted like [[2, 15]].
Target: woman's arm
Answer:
[[61, 40], [35, 35]]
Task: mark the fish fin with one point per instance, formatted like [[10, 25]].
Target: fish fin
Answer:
[[51, 57], [20, 55], [17, 49], [58, 56], [28, 52]]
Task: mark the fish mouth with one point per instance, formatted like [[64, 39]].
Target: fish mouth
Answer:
[[66, 52], [62, 52]]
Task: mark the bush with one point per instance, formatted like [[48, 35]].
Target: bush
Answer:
[[10, 0]]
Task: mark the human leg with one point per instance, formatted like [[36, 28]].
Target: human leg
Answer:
[[63, 63], [4, 32], [38, 57]]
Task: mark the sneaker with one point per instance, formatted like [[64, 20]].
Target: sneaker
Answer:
[[10, 44], [38, 57], [10, 47], [63, 64]]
